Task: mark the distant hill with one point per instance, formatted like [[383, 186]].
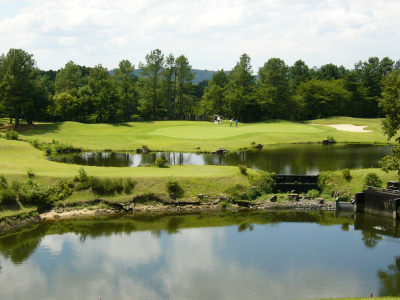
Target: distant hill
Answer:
[[200, 74]]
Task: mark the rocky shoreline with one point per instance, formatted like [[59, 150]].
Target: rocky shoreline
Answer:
[[103, 207]]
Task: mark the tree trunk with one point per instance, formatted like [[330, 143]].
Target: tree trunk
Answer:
[[173, 111], [16, 118]]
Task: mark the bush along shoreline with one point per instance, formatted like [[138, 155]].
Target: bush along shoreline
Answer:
[[28, 202], [253, 191]]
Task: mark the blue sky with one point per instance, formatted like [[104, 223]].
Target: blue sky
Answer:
[[211, 34]]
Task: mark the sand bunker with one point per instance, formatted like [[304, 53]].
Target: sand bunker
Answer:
[[350, 127], [347, 127]]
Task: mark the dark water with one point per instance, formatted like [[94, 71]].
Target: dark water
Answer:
[[309, 159], [224, 255]]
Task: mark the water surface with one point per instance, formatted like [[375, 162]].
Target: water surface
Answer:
[[308, 159], [224, 255]]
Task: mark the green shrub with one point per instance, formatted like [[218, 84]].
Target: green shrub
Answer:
[[8, 196], [265, 181], [144, 146], [346, 173], [173, 185], [118, 185], [104, 206], [30, 173], [3, 182], [32, 193], [236, 189], [162, 162], [326, 196], [82, 176], [330, 138], [313, 193], [243, 169], [372, 179], [35, 143], [3, 179], [129, 184], [253, 143], [323, 179], [11, 135], [106, 185], [15, 185]]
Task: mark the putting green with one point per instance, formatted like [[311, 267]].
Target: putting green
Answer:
[[215, 131]]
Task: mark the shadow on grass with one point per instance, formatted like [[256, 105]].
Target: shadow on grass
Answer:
[[121, 125], [273, 121], [10, 207], [38, 129]]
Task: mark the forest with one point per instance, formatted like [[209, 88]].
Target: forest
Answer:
[[162, 86]]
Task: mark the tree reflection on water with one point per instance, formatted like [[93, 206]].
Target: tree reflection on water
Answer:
[[390, 279]]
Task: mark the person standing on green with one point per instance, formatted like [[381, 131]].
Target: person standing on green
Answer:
[[237, 122]]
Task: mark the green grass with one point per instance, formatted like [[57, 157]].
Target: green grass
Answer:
[[187, 135], [349, 187], [16, 157]]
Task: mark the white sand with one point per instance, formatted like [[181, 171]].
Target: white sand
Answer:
[[347, 127]]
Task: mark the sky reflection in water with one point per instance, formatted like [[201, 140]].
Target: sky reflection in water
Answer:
[[286, 260]]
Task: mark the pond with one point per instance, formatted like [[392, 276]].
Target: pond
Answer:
[[308, 159], [219, 255]]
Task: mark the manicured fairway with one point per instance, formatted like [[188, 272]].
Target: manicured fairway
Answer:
[[186, 135], [16, 157]]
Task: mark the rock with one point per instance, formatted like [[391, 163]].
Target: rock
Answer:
[[197, 147], [293, 191], [321, 200], [295, 197], [147, 165], [222, 198], [56, 216], [139, 150], [254, 187], [259, 146], [326, 142], [172, 196], [220, 151], [200, 196], [273, 198]]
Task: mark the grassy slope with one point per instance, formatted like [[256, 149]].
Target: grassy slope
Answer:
[[186, 135], [17, 157]]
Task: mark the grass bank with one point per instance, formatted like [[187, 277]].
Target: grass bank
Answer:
[[186, 136], [17, 157]]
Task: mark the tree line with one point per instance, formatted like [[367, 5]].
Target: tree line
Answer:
[[165, 88]]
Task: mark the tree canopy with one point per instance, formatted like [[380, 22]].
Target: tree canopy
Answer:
[[163, 87]]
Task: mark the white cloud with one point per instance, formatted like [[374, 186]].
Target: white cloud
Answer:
[[212, 35]]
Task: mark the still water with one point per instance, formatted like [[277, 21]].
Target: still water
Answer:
[[308, 159], [223, 255]]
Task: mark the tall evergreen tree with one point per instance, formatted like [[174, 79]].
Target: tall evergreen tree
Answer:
[[274, 82], [17, 71], [126, 81], [151, 80], [184, 78], [241, 88]]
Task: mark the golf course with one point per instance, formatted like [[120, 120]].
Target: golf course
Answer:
[[41, 186], [19, 156]]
